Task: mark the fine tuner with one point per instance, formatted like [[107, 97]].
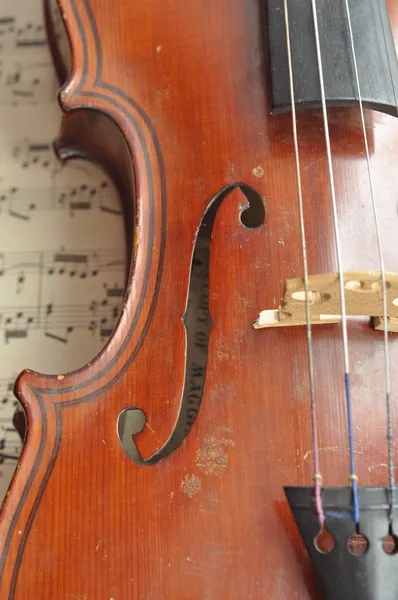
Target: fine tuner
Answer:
[[363, 295]]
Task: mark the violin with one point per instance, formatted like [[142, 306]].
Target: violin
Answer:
[[236, 437]]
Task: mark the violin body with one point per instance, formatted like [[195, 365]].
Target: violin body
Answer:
[[195, 507]]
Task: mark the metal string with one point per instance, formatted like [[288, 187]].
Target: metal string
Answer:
[[353, 476], [383, 279], [314, 416]]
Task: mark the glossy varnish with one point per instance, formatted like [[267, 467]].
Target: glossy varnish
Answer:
[[188, 86]]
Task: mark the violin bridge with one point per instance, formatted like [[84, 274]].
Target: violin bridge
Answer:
[[363, 296]]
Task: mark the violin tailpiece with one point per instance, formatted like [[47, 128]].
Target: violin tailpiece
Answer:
[[343, 572], [363, 296]]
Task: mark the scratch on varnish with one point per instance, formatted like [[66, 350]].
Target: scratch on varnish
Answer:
[[225, 428], [200, 563], [325, 449], [370, 469], [150, 428], [359, 385], [285, 474]]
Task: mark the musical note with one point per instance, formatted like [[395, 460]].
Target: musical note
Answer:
[[14, 37], [7, 31], [28, 153], [18, 322], [26, 84], [114, 292], [34, 154], [30, 35], [10, 445], [6, 393], [24, 203], [79, 263]]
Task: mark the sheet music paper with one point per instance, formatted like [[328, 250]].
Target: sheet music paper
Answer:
[[62, 254]]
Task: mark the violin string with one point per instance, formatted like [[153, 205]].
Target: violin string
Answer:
[[383, 278], [314, 415], [347, 383]]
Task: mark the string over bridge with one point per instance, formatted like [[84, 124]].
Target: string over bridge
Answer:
[[363, 294]]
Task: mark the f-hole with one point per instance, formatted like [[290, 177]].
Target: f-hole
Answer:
[[197, 322]]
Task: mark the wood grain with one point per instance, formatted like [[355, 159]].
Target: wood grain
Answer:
[[188, 88]]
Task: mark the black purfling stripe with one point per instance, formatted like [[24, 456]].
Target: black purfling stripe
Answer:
[[85, 45], [28, 484], [40, 493], [97, 42]]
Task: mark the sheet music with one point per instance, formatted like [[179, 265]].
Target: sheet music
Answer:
[[62, 254]]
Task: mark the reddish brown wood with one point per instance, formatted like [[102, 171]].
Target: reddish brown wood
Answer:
[[187, 85]]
